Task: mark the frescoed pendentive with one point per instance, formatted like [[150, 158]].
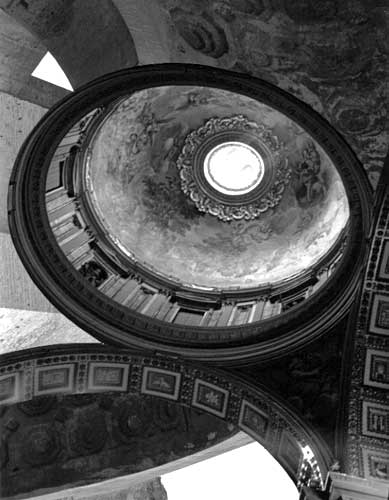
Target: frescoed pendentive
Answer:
[[135, 185], [333, 55]]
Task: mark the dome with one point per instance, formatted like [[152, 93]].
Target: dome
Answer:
[[162, 182], [190, 210]]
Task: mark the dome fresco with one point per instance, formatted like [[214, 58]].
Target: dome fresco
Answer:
[[136, 189]]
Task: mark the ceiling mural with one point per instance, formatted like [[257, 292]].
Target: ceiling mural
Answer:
[[331, 54], [136, 188], [54, 441]]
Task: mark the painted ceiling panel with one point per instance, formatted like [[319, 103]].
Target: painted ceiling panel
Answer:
[[331, 54], [137, 190]]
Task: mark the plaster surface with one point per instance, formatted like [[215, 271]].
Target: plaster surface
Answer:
[[20, 53], [21, 329], [18, 291], [77, 33], [18, 118], [136, 190]]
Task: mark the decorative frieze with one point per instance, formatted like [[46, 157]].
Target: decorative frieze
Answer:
[[368, 411]]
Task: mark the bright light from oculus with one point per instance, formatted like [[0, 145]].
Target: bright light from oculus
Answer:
[[233, 168], [50, 71]]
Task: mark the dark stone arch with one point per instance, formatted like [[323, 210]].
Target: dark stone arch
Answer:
[[21, 52], [88, 38], [93, 369]]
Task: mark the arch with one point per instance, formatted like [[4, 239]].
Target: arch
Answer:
[[85, 369], [366, 452], [87, 38], [106, 320], [21, 52]]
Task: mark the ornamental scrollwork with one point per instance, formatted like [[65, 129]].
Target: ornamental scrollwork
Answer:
[[250, 209]]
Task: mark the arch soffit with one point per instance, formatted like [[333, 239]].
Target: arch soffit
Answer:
[[23, 51], [88, 39], [85, 368]]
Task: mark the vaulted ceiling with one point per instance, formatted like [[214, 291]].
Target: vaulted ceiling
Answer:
[[331, 54]]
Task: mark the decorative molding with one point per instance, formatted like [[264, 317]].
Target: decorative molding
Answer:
[[289, 454], [379, 318], [54, 379], [375, 420], [383, 271], [227, 208], [10, 385], [163, 383], [376, 373], [254, 421], [210, 397], [106, 377]]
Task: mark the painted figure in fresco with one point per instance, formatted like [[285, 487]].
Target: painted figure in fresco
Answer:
[[311, 383], [310, 189], [239, 240], [257, 231], [172, 148], [150, 123], [133, 146], [193, 99], [150, 126]]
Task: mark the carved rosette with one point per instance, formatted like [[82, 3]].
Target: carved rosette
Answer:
[[89, 433], [37, 406], [239, 128], [41, 444]]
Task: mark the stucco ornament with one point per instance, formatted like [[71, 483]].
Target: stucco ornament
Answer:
[[237, 129]]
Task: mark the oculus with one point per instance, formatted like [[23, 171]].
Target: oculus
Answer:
[[233, 168]]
